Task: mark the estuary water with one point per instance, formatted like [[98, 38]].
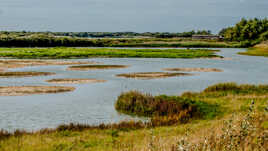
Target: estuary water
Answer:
[[94, 103]]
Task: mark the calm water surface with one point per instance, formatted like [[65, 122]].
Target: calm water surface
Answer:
[[94, 103]]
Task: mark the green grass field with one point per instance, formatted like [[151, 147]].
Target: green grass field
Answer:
[[241, 125], [62, 52]]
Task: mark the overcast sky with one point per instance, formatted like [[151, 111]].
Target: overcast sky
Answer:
[[126, 15]]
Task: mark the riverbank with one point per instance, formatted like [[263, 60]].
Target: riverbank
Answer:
[[67, 53], [236, 115], [258, 50]]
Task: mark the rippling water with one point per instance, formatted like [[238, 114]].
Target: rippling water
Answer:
[[94, 103]]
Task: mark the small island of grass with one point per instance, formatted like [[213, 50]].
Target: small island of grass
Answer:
[[193, 69], [74, 81], [96, 67], [23, 74], [30, 90], [151, 75]]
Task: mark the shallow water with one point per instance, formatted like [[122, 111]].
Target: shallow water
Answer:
[[94, 103]]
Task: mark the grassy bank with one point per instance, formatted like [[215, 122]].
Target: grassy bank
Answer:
[[62, 52], [258, 50], [241, 124]]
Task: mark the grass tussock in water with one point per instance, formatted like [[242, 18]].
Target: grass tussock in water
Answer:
[[62, 52], [194, 69], [30, 90], [24, 74], [151, 75], [96, 67], [74, 81]]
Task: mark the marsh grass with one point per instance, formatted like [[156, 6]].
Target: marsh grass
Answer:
[[30, 90], [258, 50], [62, 52], [24, 74], [96, 67], [243, 134], [74, 81], [169, 107], [151, 75], [193, 69]]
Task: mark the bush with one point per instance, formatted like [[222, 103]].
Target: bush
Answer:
[[169, 107]]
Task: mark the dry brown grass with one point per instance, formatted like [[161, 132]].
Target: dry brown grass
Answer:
[[74, 81], [194, 69], [152, 75], [30, 90], [23, 74], [96, 67]]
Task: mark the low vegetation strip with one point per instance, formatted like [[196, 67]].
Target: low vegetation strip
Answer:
[[194, 69], [237, 89], [62, 52], [151, 75], [30, 90], [23, 74], [74, 81], [96, 67]]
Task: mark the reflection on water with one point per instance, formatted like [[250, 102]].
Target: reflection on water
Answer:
[[94, 103]]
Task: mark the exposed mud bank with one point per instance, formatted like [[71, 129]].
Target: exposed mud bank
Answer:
[[75, 81], [96, 67], [194, 69], [30, 90], [152, 75]]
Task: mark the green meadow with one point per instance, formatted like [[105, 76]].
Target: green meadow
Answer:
[[64, 53]]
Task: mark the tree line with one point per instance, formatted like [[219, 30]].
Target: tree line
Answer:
[[247, 30]]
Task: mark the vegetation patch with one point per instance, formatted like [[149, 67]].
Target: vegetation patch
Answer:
[[257, 50], [30, 90], [160, 106], [23, 74], [62, 52], [234, 88], [152, 75], [74, 81], [194, 69], [96, 67]]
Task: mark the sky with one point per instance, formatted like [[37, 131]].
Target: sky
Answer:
[[126, 15]]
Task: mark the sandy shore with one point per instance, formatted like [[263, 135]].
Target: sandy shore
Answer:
[[194, 69], [74, 81], [30, 90], [152, 75]]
